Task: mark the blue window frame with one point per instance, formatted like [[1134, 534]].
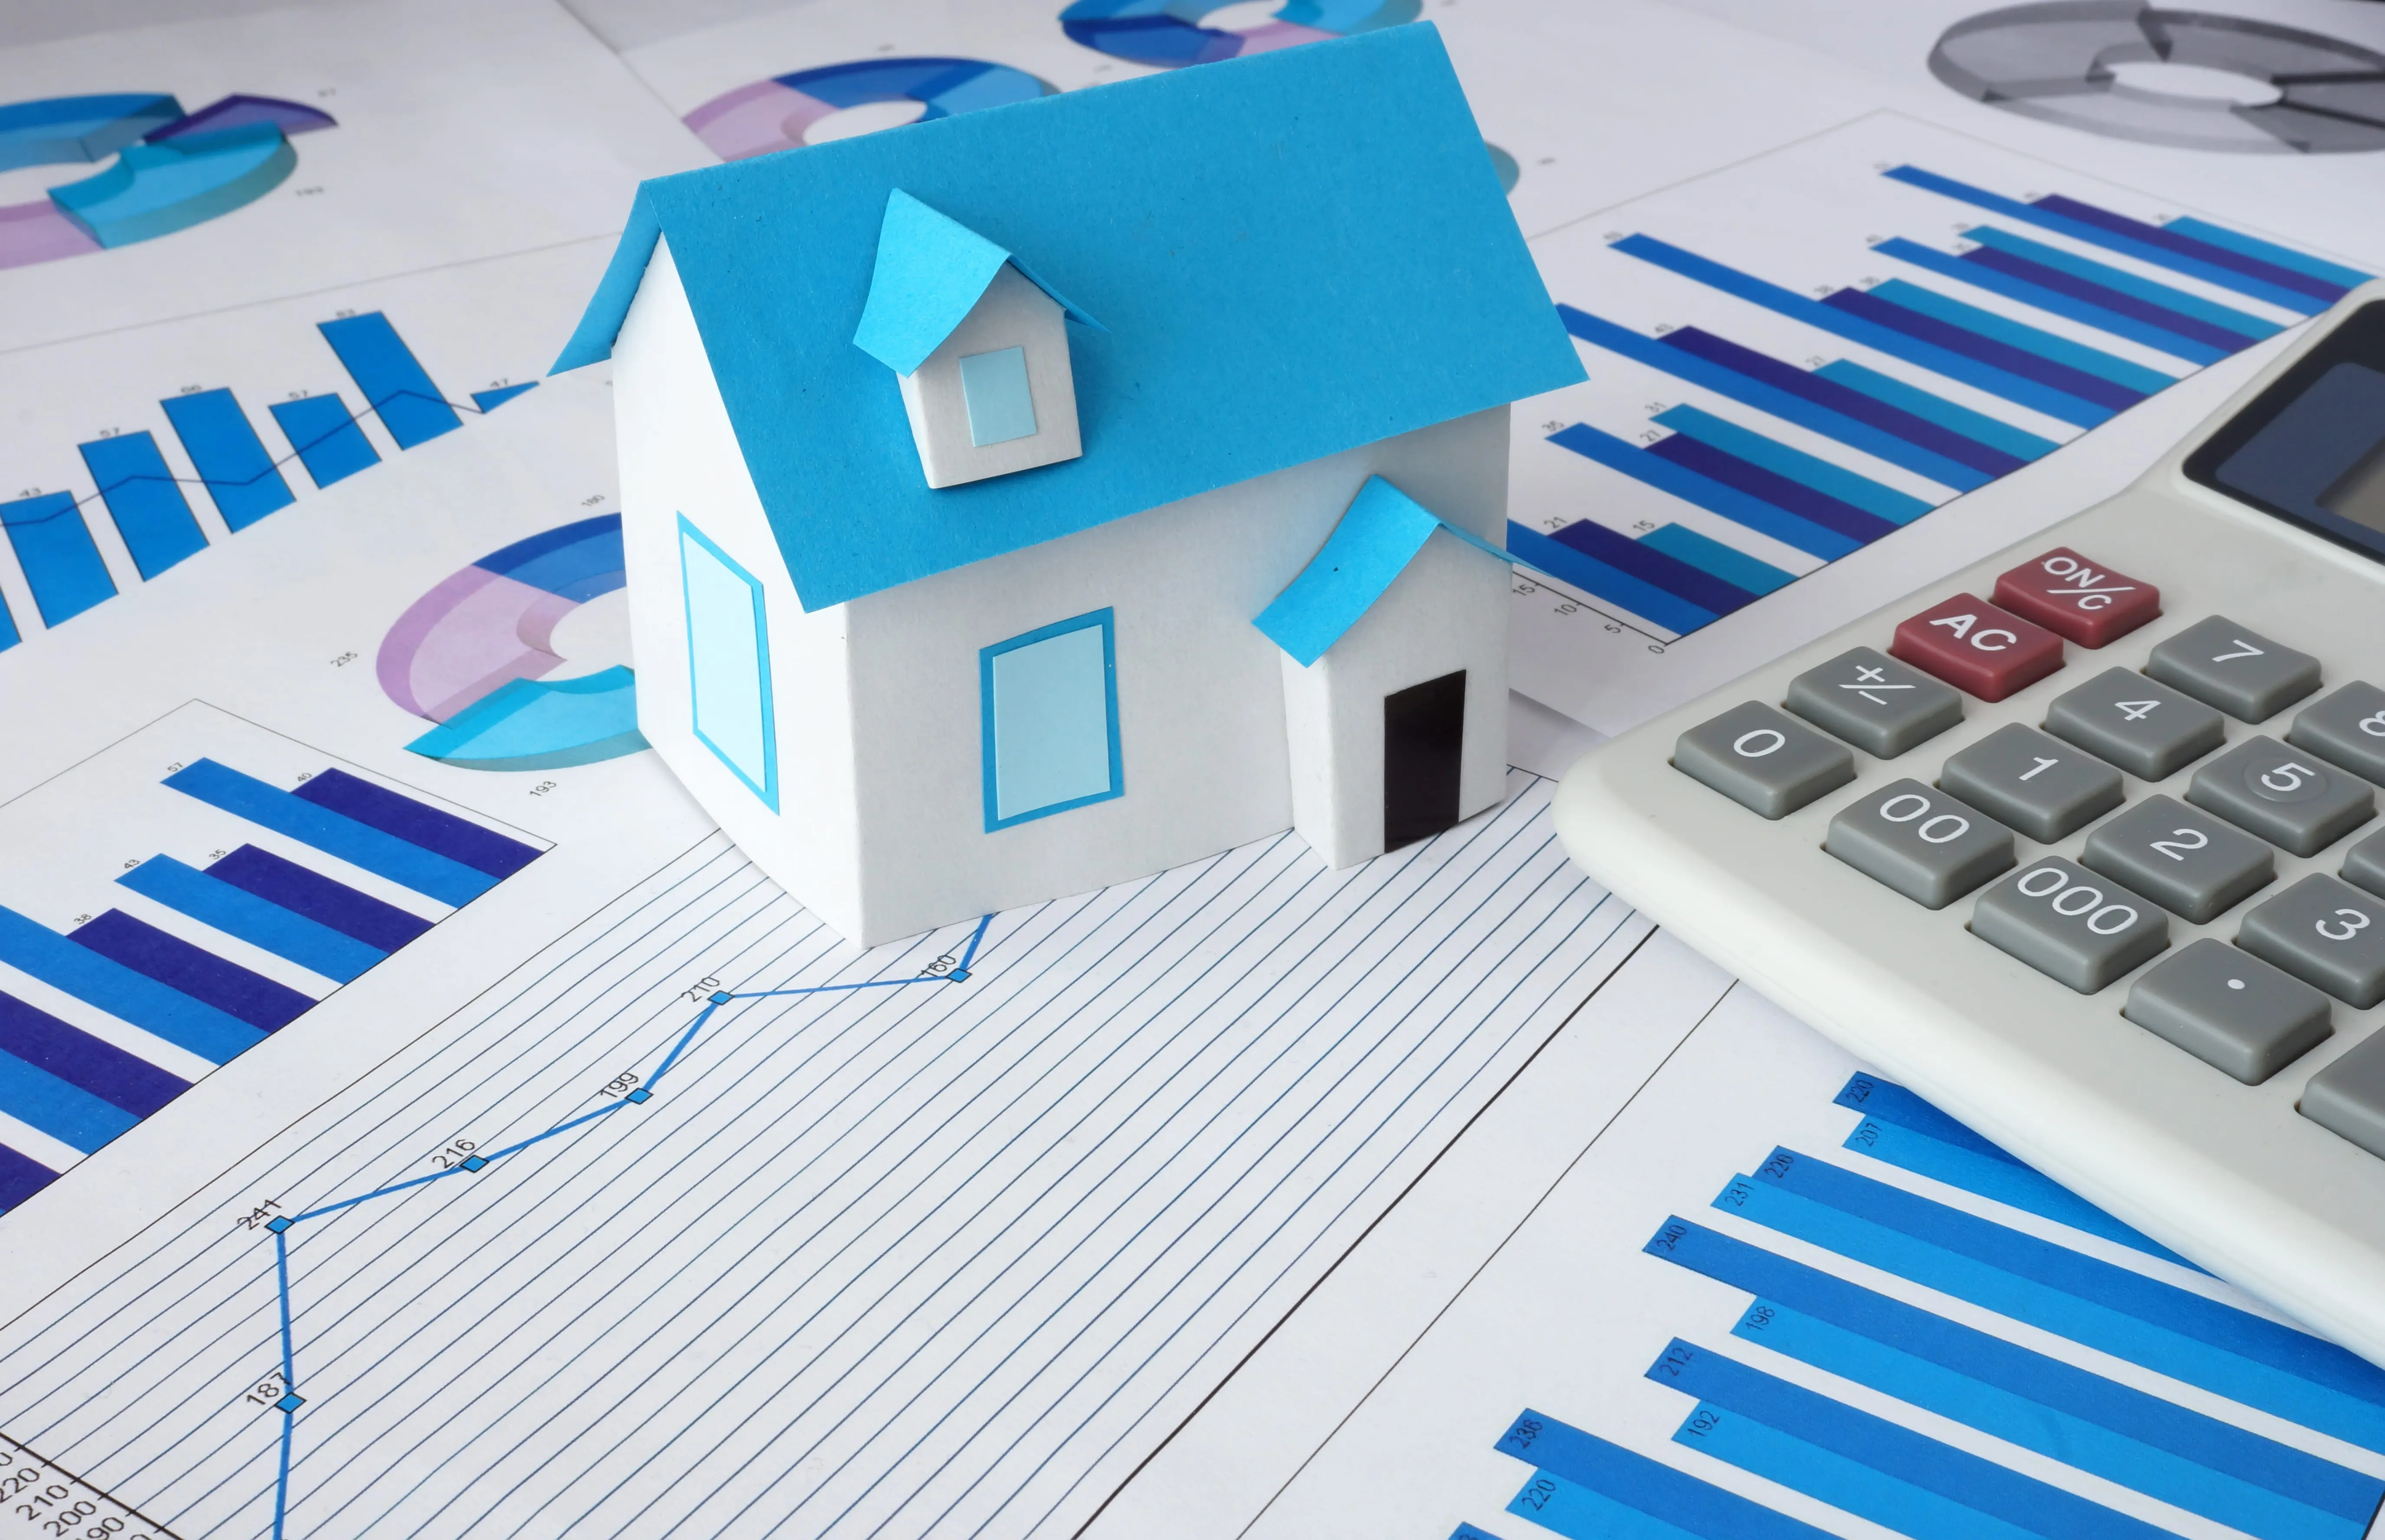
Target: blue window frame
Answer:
[[729, 663], [1048, 702]]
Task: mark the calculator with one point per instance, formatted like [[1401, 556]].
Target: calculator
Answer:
[[2083, 844]]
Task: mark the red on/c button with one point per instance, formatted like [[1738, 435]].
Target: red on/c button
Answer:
[[1976, 647]]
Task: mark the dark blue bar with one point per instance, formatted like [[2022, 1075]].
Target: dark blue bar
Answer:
[[1750, 512], [328, 442], [2235, 322], [2097, 304], [395, 384], [2077, 383], [318, 898], [1890, 1102], [213, 901], [1719, 465], [2322, 290], [385, 855], [1597, 579], [60, 563], [1944, 444], [21, 1178], [229, 458], [2061, 299], [1674, 577], [2284, 256], [200, 973], [79, 1059], [33, 948], [1990, 1360], [2053, 347], [149, 509], [1649, 1486], [489, 400], [1898, 1453], [482, 849]]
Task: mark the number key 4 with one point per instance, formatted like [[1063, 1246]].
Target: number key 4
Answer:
[[2148, 730]]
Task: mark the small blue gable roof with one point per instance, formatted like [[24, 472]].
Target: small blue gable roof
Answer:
[[1378, 536], [929, 274], [1293, 254]]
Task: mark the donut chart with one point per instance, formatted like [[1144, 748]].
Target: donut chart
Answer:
[[773, 114], [1168, 34], [2294, 91], [470, 656], [172, 169]]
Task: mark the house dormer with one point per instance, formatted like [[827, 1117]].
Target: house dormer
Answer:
[[977, 343]]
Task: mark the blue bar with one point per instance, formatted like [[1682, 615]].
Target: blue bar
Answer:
[[20, 1177], [2016, 279], [328, 442], [1889, 1102], [1578, 1513], [77, 1057], [484, 850], [381, 926], [66, 1113], [395, 385], [8, 636], [489, 400], [2202, 255], [2072, 395], [1733, 566], [2127, 1315], [1468, 1532], [2112, 1426], [1645, 1485], [1713, 496], [61, 565], [2029, 339], [261, 923], [1999, 435], [230, 459], [1859, 328], [1786, 492], [2236, 323], [149, 509], [34, 949], [1915, 1467], [195, 971], [451, 882], [1649, 564], [1837, 481], [2237, 241], [2021, 1186], [2048, 214], [1597, 579], [1793, 395]]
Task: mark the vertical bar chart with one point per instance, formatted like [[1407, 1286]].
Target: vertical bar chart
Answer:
[[150, 512], [55, 553], [325, 437], [233, 462], [396, 385], [272, 891]]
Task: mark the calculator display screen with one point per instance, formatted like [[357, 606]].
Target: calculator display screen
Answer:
[[2311, 448]]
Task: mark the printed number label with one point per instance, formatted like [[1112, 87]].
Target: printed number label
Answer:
[[2374, 726], [1761, 741], [2289, 776], [1935, 831], [2075, 900], [2244, 650], [2135, 710], [2345, 925], [2181, 842]]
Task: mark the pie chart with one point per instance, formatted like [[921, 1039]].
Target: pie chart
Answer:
[[1169, 32], [472, 655], [773, 114]]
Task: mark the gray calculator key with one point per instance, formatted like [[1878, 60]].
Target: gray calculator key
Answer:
[[2240, 671], [2348, 1097], [2346, 725], [2323, 933], [2147, 729], [1921, 842], [2195, 867], [2287, 797], [2233, 1012], [1762, 760], [2363, 864], [1874, 701], [2028, 781], [2073, 926]]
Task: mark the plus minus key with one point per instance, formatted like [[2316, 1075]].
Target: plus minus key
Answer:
[[1978, 648]]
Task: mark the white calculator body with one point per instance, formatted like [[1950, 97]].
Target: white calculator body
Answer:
[[2083, 843]]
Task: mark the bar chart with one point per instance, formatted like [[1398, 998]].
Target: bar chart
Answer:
[[1774, 389], [269, 879], [145, 496]]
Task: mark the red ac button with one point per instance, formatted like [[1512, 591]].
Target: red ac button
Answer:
[[2067, 593], [1976, 647]]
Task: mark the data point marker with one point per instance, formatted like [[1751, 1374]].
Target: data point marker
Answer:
[[290, 1402], [958, 976], [721, 996], [641, 1094], [277, 1225], [473, 1163]]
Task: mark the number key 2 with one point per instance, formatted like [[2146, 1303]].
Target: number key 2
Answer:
[[1976, 647], [2073, 597]]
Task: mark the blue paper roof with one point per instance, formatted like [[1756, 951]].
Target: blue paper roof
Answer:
[[929, 274], [1294, 252], [1378, 536]]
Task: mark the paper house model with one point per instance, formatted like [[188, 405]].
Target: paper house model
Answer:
[[1034, 500]]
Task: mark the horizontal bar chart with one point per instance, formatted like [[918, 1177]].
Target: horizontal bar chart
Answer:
[[1632, 1481], [201, 961]]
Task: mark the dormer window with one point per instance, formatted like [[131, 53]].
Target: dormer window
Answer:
[[978, 343]]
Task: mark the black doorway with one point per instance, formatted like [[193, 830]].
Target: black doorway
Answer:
[[1424, 734]]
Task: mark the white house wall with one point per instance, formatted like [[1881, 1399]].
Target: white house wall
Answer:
[[1201, 704], [1011, 313], [679, 456]]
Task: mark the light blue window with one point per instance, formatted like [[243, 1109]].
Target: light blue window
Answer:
[[1000, 407], [1049, 701], [729, 663]]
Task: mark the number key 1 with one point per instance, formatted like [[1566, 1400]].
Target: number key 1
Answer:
[[2027, 780]]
